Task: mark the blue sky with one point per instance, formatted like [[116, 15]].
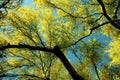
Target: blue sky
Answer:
[[28, 3]]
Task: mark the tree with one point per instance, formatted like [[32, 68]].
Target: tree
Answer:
[[35, 42], [8, 4]]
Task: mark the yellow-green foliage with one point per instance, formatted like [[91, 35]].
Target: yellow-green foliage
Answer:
[[58, 22]]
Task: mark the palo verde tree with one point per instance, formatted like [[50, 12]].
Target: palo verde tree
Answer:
[[35, 41]]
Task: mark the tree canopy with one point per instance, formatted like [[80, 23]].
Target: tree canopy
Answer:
[[60, 39]]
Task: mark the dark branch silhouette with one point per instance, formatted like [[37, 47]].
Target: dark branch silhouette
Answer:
[[22, 46], [4, 3], [117, 8], [15, 75], [91, 30], [107, 16], [56, 51], [70, 14], [66, 63]]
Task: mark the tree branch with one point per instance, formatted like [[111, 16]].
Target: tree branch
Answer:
[[67, 64], [14, 75], [106, 15], [22, 46], [91, 30], [4, 3], [68, 13], [56, 51], [117, 8]]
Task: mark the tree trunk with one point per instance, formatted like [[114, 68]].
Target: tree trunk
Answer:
[[95, 67], [67, 64]]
